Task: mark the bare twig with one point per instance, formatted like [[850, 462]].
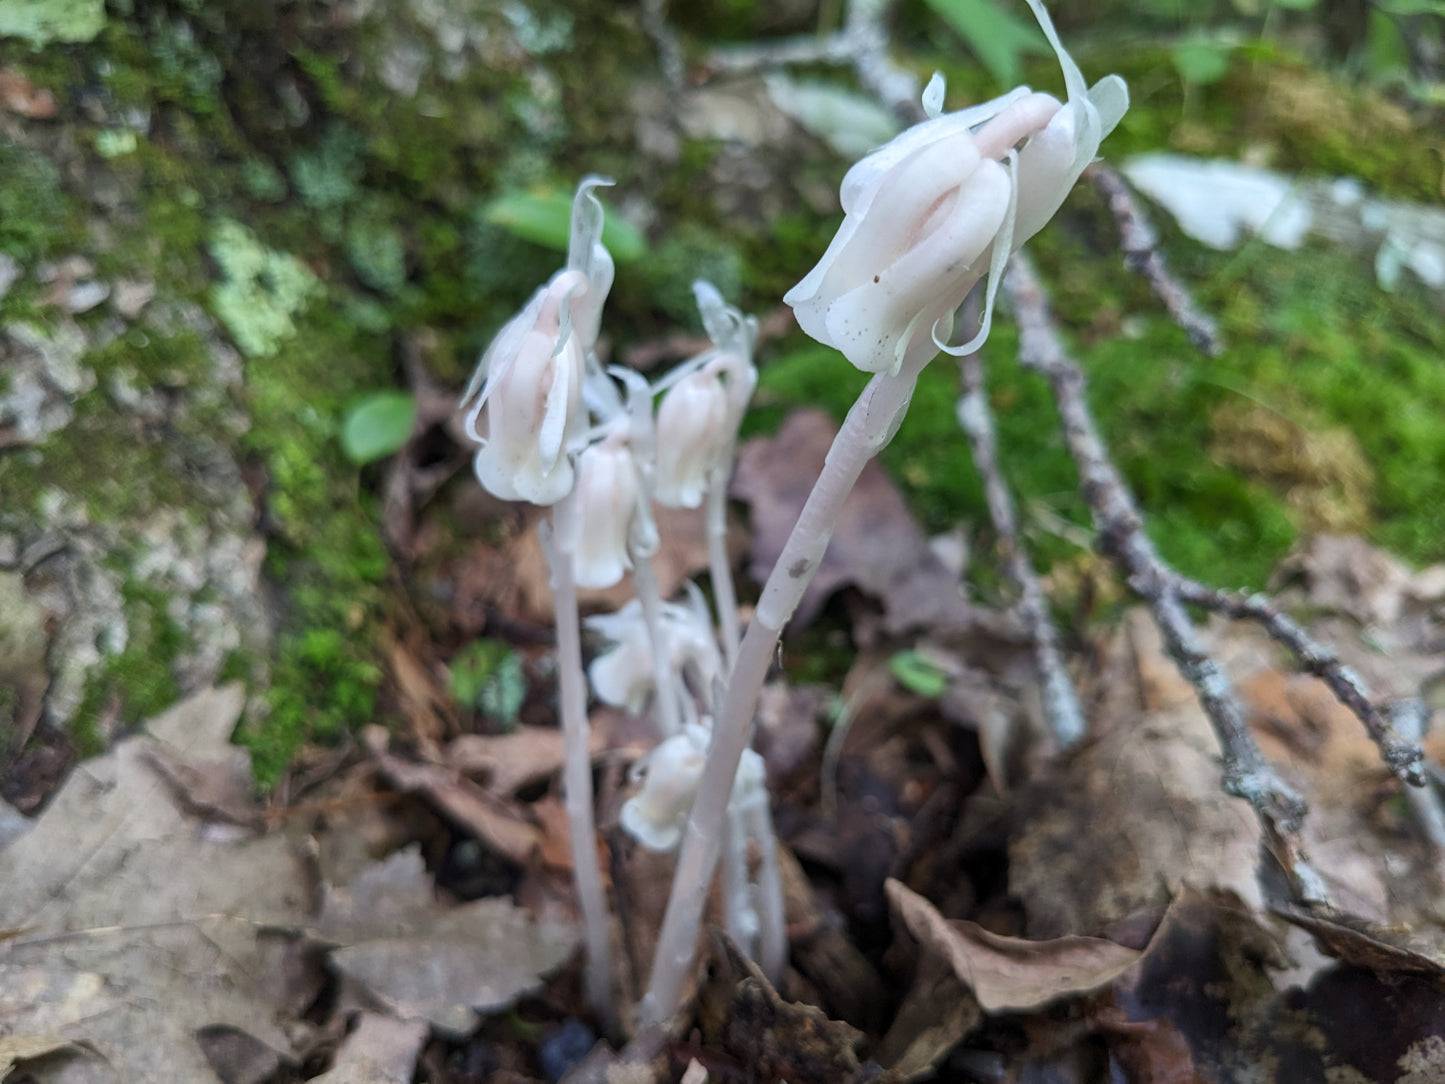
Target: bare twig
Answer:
[[1121, 537], [975, 417], [1403, 757], [862, 44], [1141, 255]]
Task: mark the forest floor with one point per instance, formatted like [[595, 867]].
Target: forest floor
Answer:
[[278, 750]]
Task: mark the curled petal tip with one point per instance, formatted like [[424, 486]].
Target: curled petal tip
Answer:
[[933, 95]]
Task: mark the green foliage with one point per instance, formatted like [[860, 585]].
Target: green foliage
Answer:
[[377, 254], [35, 215], [1201, 59], [918, 674], [995, 35], [691, 252], [545, 218], [377, 425], [487, 675], [41, 22]]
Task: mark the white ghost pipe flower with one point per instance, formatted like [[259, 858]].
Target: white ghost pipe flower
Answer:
[[607, 502], [946, 201], [655, 815], [624, 676], [531, 376], [692, 430], [532, 399]]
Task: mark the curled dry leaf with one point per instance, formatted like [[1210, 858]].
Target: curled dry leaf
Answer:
[[740, 1012], [502, 825], [1385, 950], [1119, 826], [1010, 974], [510, 762]]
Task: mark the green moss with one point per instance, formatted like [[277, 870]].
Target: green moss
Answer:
[[36, 216], [326, 553], [43, 21]]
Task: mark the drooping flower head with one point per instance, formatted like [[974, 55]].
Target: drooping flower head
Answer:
[[704, 403], [528, 417], [669, 775], [623, 676], [608, 489], [948, 200]]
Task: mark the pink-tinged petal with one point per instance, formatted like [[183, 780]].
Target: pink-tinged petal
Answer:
[[865, 174], [607, 492], [874, 323], [691, 430], [1014, 124]]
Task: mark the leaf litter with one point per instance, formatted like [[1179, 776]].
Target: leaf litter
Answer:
[[969, 905]]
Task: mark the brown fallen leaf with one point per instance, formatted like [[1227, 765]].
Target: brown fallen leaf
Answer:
[[1010, 974], [501, 824], [1120, 825], [21, 96], [936, 1015], [423, 960], [1383, 949], [877, 546], [424, 703], [510, 762], [140, 931]]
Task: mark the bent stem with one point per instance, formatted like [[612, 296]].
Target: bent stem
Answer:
[[577, 769], [869, 426]]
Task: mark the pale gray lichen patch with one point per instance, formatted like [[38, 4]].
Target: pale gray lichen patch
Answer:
[[45, 375]]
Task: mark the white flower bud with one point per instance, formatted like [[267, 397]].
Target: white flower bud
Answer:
[[922, 213], [655, 815], [607, 493], [692, 430], [623, 676], [532, 399]]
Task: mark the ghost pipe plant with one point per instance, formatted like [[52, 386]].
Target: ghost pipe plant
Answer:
[[529, 386], [697, 429], [926, 216]]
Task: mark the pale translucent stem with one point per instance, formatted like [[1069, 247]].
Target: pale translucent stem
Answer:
[[740, 918], [772, 922], [720, 567], [665, 690], [869, 426], [577, 769]]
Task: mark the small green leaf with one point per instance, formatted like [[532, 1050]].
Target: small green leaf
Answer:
[[1200, 61], [998, 38], [377, 425], [918, 674], [545, 218], [488, 675]]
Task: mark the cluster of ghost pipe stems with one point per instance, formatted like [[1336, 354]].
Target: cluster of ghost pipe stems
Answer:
[[926, 217], [556, 429]]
